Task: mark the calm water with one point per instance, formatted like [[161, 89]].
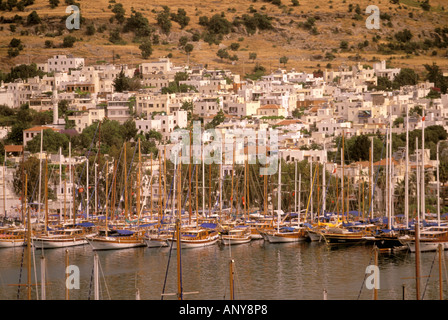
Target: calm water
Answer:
[[265, 271]]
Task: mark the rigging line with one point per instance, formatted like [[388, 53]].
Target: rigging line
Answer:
[[35, 269], [376, 178], [326, 187], [94, 190], [20, 273], [91, 283], [88, 154], [129, 171], [365, 275], [167, 269], [104, 279], [430, 271]]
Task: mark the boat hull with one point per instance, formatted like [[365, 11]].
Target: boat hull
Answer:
[[187, 244], [156, 242], [10, 243], [344, 239], [427, 246], [40, 243], [279, 237], [314, 236], [235, 240], [112, 243]]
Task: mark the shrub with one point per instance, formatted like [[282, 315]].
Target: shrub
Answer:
[[68, 41]]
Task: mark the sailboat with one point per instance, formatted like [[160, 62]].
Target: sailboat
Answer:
[[59, 237], [118, 238], [237, 235], [12, 237], [349, 233], [391, 239], [284, 233]]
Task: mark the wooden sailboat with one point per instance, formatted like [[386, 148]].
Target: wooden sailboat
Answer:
[[118, 238], [348, 233], [194, 236], [285, 233], [237, 235], [59, 238], [12, 237]]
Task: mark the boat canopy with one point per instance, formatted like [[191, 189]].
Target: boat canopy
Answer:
[[85, 224], [209, 225], [124, 232]]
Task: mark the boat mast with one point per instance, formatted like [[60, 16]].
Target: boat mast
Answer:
[[87, 188], [438, 186], [28, 242], [311, 190], [60, 183], [342, 176], [190, 198], [70, 172], [40, 173], [417, 173], [125, 184], [324, 182], [423, 167], [295, 186], [279, 191], [107, 192], [150, 185], [46, 194], [139, 173], [406, 180]]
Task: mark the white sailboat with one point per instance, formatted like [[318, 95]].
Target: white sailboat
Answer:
[[285, 233]]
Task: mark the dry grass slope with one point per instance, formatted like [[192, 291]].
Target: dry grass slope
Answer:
[[306, 51]]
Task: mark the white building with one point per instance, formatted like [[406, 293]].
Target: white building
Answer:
[[63, 63], [165, 124], [382, 71]]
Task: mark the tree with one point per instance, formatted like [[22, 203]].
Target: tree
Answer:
[[181, 18], [115, 36], [403, 36], [68, 41], [129, 130], [234, 46], [218, 119], [183, 41], [435, 75], [425, 5], [343, 45], [284, 60], [53, 3], [33, 18], [90, 30], [121, 82], [222, 54], [188, 49], [52, 141], [404, 78], [146, 49], [119, 12], [219, 25], [163, 20], [252, 56]]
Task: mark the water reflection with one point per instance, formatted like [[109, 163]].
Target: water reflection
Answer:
[[263, 271]]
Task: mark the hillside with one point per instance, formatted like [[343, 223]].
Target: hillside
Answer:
[[312, 34]]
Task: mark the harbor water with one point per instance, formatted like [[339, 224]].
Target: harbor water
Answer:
[[262, 271]]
